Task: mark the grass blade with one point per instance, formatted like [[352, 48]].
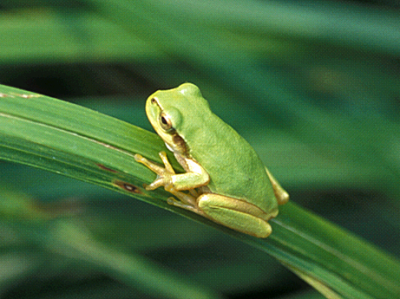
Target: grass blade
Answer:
[[67, 139]]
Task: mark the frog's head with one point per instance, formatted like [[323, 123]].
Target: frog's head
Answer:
[[173, 114]]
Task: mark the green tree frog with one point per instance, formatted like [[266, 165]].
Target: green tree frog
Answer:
[[225, 180]]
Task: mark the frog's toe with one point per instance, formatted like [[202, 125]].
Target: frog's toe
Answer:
[[138, 158], [154, 185], [173, 202]]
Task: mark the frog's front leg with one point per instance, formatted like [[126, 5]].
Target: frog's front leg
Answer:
[[164, 175], [281, 195], [174, 183]]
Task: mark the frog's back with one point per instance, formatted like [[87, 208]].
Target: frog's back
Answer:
[[233, 165]]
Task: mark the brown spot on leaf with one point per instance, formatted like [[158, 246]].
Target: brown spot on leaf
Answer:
[[101, 166], [127, 187]]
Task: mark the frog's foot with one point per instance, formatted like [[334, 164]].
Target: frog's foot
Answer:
[[187, 201], [163, 174]]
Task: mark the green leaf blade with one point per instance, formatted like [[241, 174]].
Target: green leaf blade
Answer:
[[77, 142]]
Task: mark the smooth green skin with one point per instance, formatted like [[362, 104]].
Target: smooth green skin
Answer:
[[227, 181]]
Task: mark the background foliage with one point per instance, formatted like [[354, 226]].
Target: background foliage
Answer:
[[313, 86]]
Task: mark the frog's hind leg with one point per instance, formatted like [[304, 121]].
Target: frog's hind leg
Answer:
[[235, 214]]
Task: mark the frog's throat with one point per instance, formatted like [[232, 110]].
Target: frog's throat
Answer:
[[178, 145]]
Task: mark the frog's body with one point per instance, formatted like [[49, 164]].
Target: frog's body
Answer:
[[226, 179], [234, 163]]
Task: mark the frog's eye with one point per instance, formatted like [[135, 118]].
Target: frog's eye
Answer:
[[165, 121]]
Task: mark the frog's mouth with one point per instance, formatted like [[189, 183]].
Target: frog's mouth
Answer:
[[169, 147]]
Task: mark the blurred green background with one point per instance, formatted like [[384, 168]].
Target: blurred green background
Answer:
[[314, 86]]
